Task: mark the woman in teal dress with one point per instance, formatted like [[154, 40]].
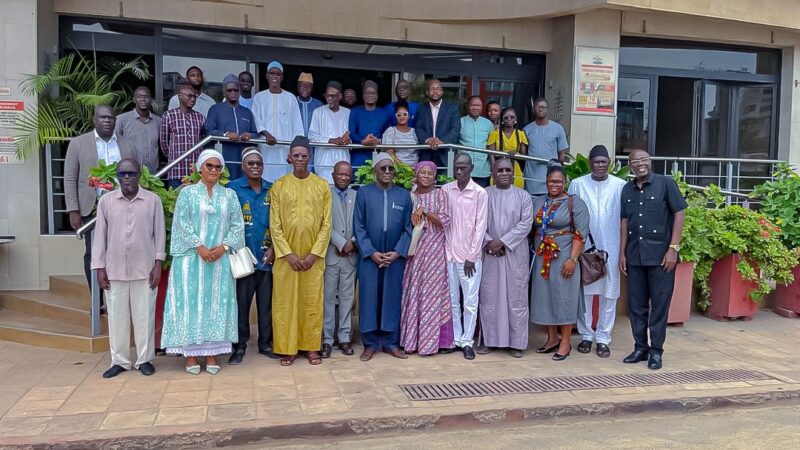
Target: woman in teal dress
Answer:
[[200, 315]]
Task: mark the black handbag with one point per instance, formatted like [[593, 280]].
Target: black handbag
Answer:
[[593, 260]]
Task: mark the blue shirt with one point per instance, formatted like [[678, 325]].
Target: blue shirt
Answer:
[[412, 113], [246, 102], [545, 142], [307, 108], [364, 123], [474, 133], [255, 210]]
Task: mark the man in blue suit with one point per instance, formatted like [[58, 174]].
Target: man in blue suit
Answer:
[[438, 123]]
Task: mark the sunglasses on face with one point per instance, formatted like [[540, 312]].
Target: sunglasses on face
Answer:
[[401, 115], [254, 163], [127, 174], [387, 169], [503, 170], [213, 167]]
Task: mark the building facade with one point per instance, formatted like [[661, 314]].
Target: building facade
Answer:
[[715, 79]]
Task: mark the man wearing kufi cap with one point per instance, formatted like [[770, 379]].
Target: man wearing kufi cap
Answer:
[[277, 117], [307, 103], [233, 121], [329, 124], [300, 229], [602, 195], [382, 226], [367, 123]]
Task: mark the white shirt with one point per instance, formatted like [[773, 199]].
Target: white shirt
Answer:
[[435, 115], [327, 124], [107, 151], [278, 115], [603, 200]]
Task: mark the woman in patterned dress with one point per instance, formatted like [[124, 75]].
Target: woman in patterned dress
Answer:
[[426, 324]]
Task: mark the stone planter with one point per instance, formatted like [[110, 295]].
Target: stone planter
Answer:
[[729, 292], [787, 297], [680, 306]]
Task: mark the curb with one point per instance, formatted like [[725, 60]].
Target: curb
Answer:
[[366, 425]]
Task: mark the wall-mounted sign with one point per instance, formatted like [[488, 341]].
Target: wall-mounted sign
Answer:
[[595, 81], [9, 111], [5, 91], [8, 152]]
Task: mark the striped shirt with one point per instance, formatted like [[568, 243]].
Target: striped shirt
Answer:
[[179, 132], [142, 134]]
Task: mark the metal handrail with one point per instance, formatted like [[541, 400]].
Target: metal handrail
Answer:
[[704, 159]]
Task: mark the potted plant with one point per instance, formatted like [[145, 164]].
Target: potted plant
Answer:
[[580, 167], [736, 252], [694, 244], [780, 203], [404, 174]]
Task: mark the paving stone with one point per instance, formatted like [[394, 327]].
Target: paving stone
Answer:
[[190, 415], [232, 413], [120, 420]]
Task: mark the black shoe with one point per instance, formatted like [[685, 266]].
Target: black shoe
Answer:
[[585, 346], [447, 351], [483, 350], [147, 369], [326, 350], [161, 352], [236, 358], [469, 353], [544, 350], [636, 356], [268, 353], [654, 362], [114, 371], [603, 351], [559, 357]]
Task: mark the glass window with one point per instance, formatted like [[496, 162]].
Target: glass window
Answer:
[[698, 56], [214, 71], [633, 114], [755, 121]]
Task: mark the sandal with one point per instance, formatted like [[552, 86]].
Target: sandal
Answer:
[[194, 370], [213, 369], [603, 351], [314, 359], [287, 361]]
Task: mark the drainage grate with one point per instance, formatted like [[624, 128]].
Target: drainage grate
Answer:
[[444, 391]]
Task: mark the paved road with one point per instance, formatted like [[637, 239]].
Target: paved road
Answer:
[[765, 428]]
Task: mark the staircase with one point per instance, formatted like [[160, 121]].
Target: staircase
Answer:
[[57, 318]]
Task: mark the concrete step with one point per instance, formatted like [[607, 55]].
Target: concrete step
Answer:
[[64, 307], [74, 285], [35, 330]]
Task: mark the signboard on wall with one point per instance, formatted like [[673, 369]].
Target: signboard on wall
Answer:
[[9, 111], [8, 152], [595, 81]]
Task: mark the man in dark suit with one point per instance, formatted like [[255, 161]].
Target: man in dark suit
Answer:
[[83, 153], [438, 123], [340, 263]]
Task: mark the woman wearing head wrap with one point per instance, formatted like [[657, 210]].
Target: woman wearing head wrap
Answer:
[[200, 314], [425, 324]]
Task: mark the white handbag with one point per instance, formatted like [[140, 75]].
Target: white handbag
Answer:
[[242, 263]]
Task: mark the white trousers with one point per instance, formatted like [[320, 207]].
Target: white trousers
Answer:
[[131, 301], [605, 321], [463, 335]]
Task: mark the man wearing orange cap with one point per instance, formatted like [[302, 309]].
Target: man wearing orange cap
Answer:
[[305, 85]]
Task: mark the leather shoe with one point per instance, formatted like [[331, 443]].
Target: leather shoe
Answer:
[[268, 353], [346, 348], [236, 358], [654, 362], [447, 351], [585, 346], [636, 356], [147, 369], [113, 371], [483, 350], [469, 353], [367, 354], [326, 350], [397, 353]]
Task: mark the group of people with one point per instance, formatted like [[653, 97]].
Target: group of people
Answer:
[[464, 267]]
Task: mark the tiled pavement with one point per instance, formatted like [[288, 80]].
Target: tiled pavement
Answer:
[[49, 395]]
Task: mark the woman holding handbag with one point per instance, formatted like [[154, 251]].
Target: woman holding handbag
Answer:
[[200, 313], [560, 223], [426, 324]]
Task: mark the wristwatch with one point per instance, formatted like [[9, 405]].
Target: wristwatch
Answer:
[[227, 249], [676, 247], [575, 260]]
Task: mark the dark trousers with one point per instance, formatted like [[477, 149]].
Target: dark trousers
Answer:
[[438, 157], [649, 294], [260, 285], [482, 181], [87, 255], [381, 340]]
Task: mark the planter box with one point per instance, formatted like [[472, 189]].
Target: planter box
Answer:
[[680, 306], [787, 298], [729, 292], [161, 297]]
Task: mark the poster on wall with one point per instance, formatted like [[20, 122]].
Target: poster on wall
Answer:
[[595, 81], [8, 153], [10, 110]]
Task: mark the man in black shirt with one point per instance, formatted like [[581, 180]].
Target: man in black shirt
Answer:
[[652, 222]]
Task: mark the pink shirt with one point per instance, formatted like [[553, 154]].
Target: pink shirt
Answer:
[[468, 213], [129, 235]]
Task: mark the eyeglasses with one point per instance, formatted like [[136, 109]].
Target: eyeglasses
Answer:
[[213, 167], [127, 174], [509, 117], [401, 115], [556, 182], [640, 160], [387, 169], [254, 163], [503, 170]]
